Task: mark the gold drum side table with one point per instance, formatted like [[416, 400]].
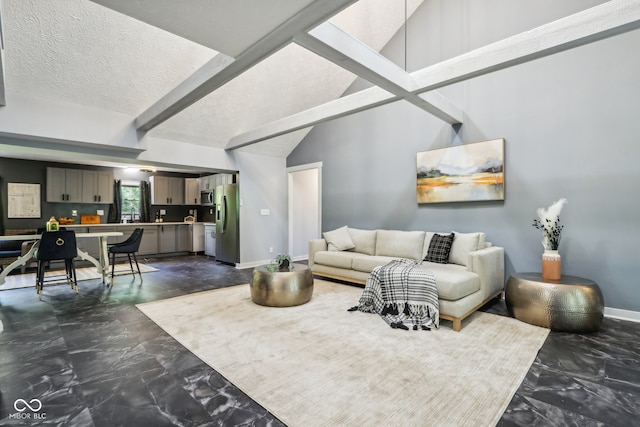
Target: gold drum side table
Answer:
[[571, 304], [281, 288]]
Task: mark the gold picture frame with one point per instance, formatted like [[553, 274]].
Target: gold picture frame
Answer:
[[462, 173]]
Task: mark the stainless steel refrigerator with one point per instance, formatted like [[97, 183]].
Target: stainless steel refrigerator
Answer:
[[227, 224]]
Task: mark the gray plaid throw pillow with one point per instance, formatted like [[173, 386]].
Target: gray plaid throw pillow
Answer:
[[439, 248]]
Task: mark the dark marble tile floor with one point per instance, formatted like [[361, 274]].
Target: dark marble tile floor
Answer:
[[93, 359]]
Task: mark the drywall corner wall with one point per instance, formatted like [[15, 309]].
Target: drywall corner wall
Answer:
[[263, 188]]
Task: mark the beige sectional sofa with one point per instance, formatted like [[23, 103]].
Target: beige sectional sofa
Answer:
[[473, 275]]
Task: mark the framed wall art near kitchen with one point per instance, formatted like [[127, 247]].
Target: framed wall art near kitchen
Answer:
[[23, 200], [463, 173]]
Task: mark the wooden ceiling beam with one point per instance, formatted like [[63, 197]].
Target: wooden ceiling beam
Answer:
[[221, 69], [335, 45], [597, 23]]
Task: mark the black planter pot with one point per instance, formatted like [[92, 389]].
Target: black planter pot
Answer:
[[284, 265]]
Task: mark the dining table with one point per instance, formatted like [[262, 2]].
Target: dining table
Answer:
[[102, 263]]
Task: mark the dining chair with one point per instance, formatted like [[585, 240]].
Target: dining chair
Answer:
[[26, 247], [56, 246], [129, 247]]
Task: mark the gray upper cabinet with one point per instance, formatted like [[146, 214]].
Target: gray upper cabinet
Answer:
[[79, 186], [191, 191], [64, 185], [210, 182], [97, 186], [166, 190], [206, 183]]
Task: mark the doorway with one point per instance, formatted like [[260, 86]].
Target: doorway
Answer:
[[305, 208]]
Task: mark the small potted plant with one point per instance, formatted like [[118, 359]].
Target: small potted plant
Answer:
[[282, 262]]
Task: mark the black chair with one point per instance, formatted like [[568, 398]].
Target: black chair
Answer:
[[56, 246], [129, 247]]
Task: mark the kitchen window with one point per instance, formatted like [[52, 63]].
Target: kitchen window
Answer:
[[130, 202]]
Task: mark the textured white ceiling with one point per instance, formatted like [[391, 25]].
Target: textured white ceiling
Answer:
[[226, 26], [81, 52], [78, 51]]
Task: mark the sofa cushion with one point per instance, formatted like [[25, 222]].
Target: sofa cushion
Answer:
[[463, 243], [453, 281], [439, 248], [364, 241], [339, 239], [339, 259], [368, 263], [400, 244]]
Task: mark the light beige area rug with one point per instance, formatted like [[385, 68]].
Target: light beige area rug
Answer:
[[319, 365], [28, 280]]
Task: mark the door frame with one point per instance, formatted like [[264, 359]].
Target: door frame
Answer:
[[290, 171]]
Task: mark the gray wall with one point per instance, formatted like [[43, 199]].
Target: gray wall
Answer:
[[263, 185], [571, 127]]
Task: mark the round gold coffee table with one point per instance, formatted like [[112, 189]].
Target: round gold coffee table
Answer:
[[281, 288], [571, 304]]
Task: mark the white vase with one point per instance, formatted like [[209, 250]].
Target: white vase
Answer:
[[551, 265]]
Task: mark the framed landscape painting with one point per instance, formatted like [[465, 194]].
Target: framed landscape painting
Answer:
[[464, 173]]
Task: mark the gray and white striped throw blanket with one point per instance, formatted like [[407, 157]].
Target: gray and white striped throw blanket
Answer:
[[403, 293]]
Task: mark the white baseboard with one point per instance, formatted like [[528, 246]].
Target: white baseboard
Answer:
[[616, 313], [253, 264]]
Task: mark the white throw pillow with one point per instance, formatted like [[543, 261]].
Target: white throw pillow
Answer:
[[364, 240], [463, 243], [339, 239]]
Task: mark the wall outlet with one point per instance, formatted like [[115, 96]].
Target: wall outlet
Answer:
[[270, 249], [100, 212], [74, 213], [163, 211], [265, 212]]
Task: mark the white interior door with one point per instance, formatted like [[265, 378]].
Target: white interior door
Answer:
[[305, 208]]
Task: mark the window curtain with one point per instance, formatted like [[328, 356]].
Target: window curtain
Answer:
[[145, 202], [115, 208]]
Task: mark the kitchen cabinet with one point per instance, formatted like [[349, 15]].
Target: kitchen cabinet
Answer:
[[64, 185], [206, 183], [97, 186], [167, 239], [167, 190], [210, 239], [79, 186], [183, 238], [92, 246], [191, 191], [210, 182], [225, 178], [157, 238], [149, 243], [196, 233]]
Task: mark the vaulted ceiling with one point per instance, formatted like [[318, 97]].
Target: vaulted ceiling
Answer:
[[251, 74], [138, 57]]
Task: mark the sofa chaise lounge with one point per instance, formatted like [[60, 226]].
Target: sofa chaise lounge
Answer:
[[472, 275]]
